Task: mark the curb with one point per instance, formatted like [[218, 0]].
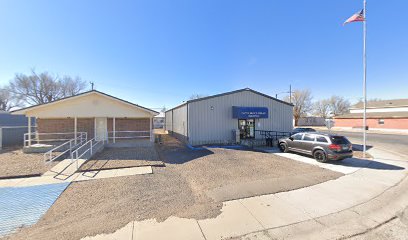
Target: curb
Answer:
[[354, 221]]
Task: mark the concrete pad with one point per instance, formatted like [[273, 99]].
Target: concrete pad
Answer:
[[134, 171], [273, 212], [346, 166], [105, 174], [34, 181], [313, 201], [59, 167], [173, 228], [235, 220], [10, 182], [352, 191], [124, 233], [386, 177]]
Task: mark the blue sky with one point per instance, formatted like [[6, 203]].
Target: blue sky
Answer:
[[157, 53]]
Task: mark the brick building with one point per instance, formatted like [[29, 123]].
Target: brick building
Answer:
[[381, 115], [97, 114]]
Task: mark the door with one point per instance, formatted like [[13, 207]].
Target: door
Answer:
[[246, 128], [294, 144], [101, 130], [307, 143]]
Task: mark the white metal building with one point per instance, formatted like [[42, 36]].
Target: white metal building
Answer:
[[220, 118]]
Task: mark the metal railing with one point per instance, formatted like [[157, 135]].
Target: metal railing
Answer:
[[50, 137], [90, 147], [274, 135], [118, 135], [64, 148]]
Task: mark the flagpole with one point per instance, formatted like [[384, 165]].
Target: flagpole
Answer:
[[365, 81]]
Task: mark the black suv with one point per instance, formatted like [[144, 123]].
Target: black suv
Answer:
[[321, 146]]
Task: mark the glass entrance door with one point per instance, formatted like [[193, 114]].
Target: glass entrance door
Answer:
[[246, 128]]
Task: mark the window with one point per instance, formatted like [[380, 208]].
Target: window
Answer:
[[309, 137], [297, 136], [339, 140], [321, 139], [381, 121]]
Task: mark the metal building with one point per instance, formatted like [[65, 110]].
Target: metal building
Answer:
[[229, 118]]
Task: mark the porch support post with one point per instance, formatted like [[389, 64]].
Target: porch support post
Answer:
[[29, 131], [75, 129], [151, 130], [114, 130]]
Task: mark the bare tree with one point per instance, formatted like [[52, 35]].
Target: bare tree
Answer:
[[339, 105], [302, 101], [197, 96], [322, 108], [7, 101], [44, 87]]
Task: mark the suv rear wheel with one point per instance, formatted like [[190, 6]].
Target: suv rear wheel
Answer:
[[283, 147], [320, 156]]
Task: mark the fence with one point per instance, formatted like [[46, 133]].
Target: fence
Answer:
[[13, 136]]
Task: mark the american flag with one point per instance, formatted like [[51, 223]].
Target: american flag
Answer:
[[358, 17]]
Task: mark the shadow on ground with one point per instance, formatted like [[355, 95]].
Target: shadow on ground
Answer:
[[366, 163]]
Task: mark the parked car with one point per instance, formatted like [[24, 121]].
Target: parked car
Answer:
[[299, 130], [322, 146]]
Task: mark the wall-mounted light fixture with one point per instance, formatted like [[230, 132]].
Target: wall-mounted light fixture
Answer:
[[212, 108]]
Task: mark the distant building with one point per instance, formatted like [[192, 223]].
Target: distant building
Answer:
[[158, 121], [385, 114], [311, 121], [8, 120]]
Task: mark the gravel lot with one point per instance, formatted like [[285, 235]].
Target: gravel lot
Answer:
[[111, 158], [187, 187], [13, 162]]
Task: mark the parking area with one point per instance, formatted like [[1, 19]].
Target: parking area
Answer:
[[192, 185]]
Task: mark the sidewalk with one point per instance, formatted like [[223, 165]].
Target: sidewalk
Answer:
[[368, 195]]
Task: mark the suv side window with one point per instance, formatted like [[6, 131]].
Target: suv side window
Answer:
[[297, 136], [309, 137], [321, 139]]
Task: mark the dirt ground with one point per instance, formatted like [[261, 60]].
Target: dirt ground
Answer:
[[13, 162], [111, 158], [184, 188]]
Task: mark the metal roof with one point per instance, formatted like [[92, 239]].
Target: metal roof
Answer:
[[228, 93]]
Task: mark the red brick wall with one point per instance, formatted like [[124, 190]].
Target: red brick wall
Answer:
[[55, 125], [66, 125], [86, 125], [389, 123], [132, 124]]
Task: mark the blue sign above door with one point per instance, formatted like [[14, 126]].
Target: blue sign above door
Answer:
[[249, 112]]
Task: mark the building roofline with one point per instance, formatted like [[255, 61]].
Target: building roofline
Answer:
[[228, 93], [24, 110]]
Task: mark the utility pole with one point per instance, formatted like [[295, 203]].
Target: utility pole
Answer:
[[290, 93]]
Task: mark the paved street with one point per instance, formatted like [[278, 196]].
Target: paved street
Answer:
[[390, 142]]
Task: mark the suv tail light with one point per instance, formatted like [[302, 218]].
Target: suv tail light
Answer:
[[335, 147]]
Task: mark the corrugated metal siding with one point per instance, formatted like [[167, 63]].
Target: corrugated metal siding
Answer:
[[216, 126], [180, 120], [168, 121]]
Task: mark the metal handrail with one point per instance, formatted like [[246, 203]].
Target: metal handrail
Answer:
[[272, 134], [48, 158], [37, 134], [90, 149], [114, 134]]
